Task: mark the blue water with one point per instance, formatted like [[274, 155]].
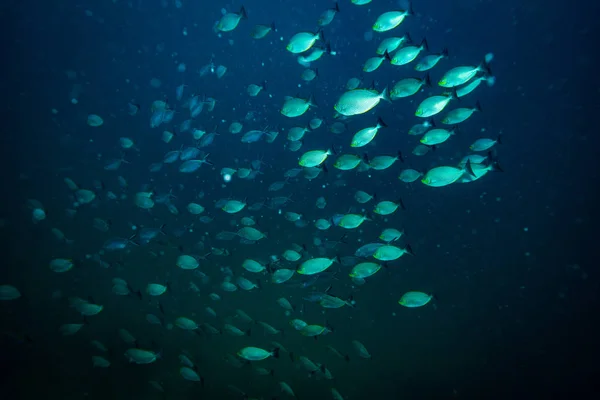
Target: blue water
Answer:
[[509, 257]]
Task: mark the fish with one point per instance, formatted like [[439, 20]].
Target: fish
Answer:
[[359, 101], [257, 354], [391, 19], [303, 41], [230, 21], [414, 299]]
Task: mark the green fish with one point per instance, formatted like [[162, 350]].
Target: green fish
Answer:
[[314, 330], [316, 265], [346, 162], [366, 135], [230, 21], [314, 158], [351, 221], [459, 115], [461, 75], [391, 44], [434, 105], [379, 163], [359, 101], [387, 207], [468, 88], [233, 206], [431, 61], [364, 270], [409, 175], [391, 235], [295, 106], [257, 354], [414, 299], [391, 19], [375, 62], [445, 175], [260, 31], [485, 144], [303, 41], [408, 86], [408, 54], [437, 136], [391, 253]]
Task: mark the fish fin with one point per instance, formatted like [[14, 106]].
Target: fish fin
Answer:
[[427, 80], [276, 352], [401, 203], [408, 249], [387, 56], [321, 35], [381, 123], [424, 44], [243, 13], [400, 157], [469, 168], [337, 7], [385, 96]]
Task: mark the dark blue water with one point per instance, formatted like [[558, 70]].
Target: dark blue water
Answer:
[[510, 257]]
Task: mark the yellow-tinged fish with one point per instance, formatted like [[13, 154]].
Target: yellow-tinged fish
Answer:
[[387, 207], [260, 31], [314, 158], [364, 270], [296, 106], [314, 55], [351, 221], [437, 136], [346, 162], [446, 175], [414, 299], [408, 54], [391, 44], [434, 105], [469, 87], [303, 41], [253, 89], [460, 75], [366, 135], [431, 61], [391, 19], [459, 115], [391, 253], [408, 86], [230, 21], [328, 15], [316, 265], [359, 101], [379, 163], [485, 144], [375, 62], [480, 165], [257, 354]]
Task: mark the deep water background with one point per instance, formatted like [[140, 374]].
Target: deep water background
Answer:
[[511, 258]]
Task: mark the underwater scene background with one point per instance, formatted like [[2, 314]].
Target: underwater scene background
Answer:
[[97, 207]]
